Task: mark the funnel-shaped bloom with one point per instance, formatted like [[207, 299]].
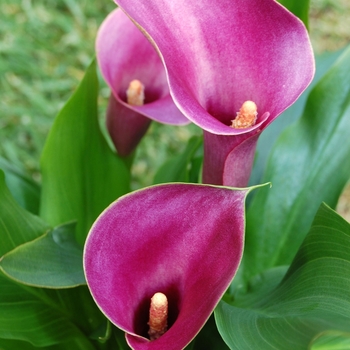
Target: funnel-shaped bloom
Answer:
[[182, 240], [217, 56], [124, 55]]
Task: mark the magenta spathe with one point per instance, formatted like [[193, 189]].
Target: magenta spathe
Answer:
[[124, 54], [219, 55], [183, 240]]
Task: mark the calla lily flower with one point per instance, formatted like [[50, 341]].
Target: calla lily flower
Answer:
[[125, 55], [184, 241], [218, 56]]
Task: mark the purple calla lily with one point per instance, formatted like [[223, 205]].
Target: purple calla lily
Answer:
[[182, 240], [219, 55], [124, 55]]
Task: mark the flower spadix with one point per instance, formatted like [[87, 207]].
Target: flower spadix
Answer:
[[157, 261], [220, 54], [128, 62], [158, 316]]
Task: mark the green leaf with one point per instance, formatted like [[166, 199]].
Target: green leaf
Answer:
[[53, 260], [332, 341], [178, 168], [312, 298], [6, 344], [17, 226], [28, 314], [66, 317], [33, 316], [288, 117], [108, 332], [299, 7], [75, 310], [25, 191], [208, 338], [81, 175], [119, 338], [309, 164]]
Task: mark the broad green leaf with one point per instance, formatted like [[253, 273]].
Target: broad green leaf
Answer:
[[17, 226], [25, 191], [34, 317], [208, 338], [309, 164], [28, 314], [53, 260], [178, 169], [10, 344], [81, 175], [73, 309], [119, 338], [6, 344], [332, 341], [263, 283], [102, 333], [108, 332], [311, 299], [299, 7], [288, 117], [195, 172]]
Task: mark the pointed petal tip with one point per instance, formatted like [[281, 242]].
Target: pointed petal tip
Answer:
[[273, 60], [143, 243], [137, 60]]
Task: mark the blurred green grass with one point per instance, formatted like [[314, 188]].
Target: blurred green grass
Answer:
[[45, 46], [44, 49], [329, 24]]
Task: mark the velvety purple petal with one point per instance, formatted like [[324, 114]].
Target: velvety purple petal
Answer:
[[180, 239], [228, 160], [219, 55], [239, 163], [124, 54]]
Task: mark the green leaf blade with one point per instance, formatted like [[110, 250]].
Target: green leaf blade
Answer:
[[177, 169], [312, 298], [81, 174], [53, 260], [300, 8], [17, 226], [332, 341], [30, 315], [288, 117], [25, 191], [301, 169]]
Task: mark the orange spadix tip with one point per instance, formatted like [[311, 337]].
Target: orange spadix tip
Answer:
[[135, 94], [246, 116], [159, 300], [248, 107], [158, 316]]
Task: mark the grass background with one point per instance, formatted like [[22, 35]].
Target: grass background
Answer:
[[45, 46]]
